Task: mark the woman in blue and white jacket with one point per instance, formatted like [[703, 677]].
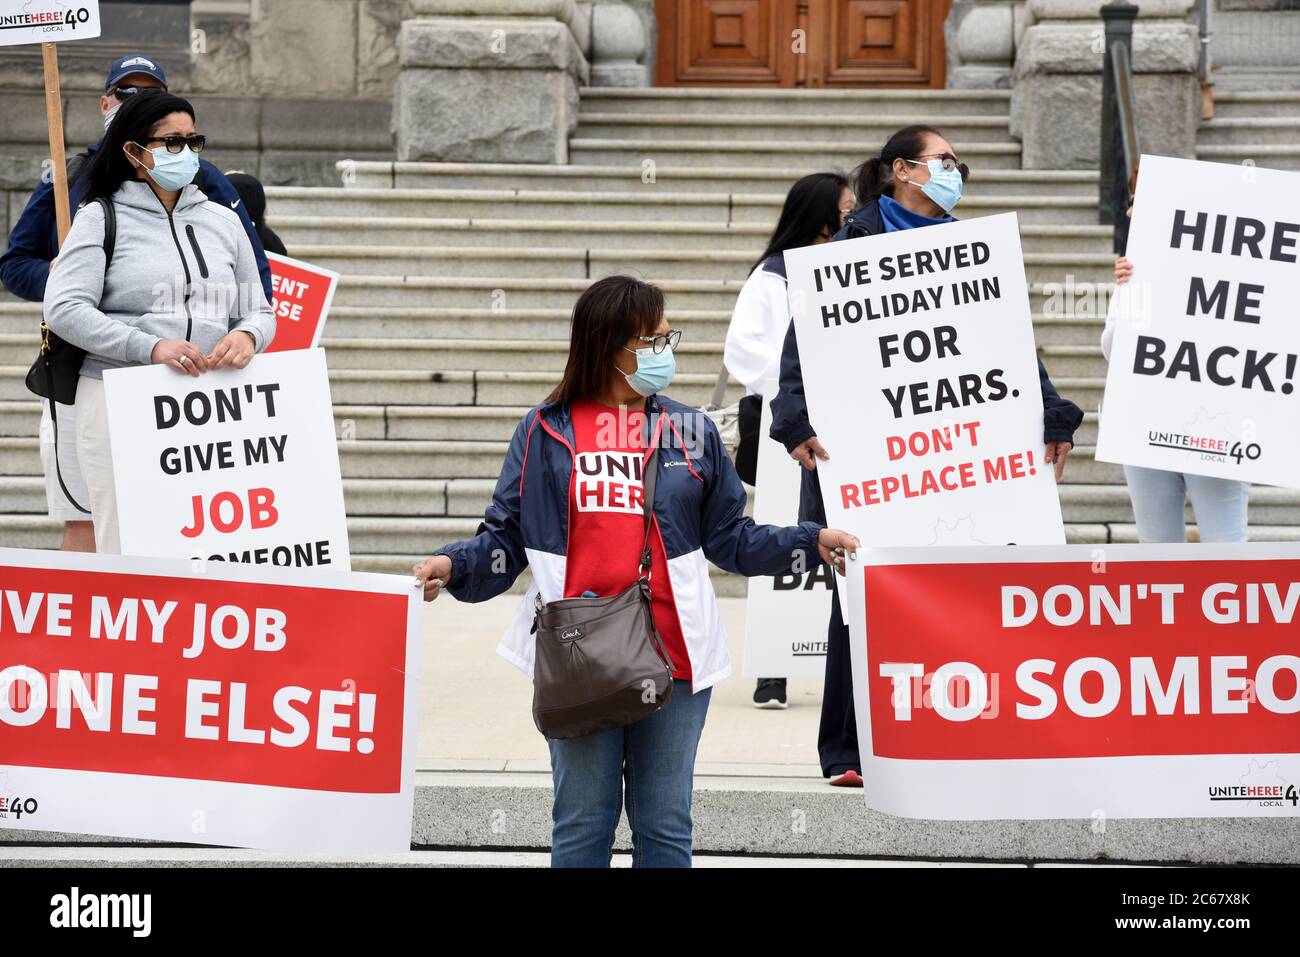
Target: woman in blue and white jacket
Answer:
[[576, 524]]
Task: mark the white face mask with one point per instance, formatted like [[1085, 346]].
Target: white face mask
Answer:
[[108, 117]]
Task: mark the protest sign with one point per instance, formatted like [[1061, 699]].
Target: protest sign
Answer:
[[303, 294], [47, 21], [785, 615], [1203, 365], [1076, 681], [237, 465], [237, 707], [919, 368]]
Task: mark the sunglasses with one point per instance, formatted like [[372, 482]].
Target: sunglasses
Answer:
[[125, 92], [176, 143]]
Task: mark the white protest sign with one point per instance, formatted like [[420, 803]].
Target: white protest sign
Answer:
[[919, 367], [1203, 365], [236, 465], [47, 21], [785, 615]]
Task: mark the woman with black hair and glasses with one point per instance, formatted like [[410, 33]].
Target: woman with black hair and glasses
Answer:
[[568, 507], [814, 210], [916, 181], [182, 288]]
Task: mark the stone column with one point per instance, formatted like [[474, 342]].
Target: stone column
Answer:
[[1056, 89], [980, 36], [488, 81]]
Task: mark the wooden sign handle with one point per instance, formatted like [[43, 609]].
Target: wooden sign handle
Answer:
[[54, 117]]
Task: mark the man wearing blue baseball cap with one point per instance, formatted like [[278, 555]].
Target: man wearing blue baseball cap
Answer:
[[25, 267]]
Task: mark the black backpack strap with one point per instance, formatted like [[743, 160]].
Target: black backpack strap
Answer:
[[110, 229], [54, 420]]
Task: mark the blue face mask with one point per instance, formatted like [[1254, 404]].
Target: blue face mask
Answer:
[[174, 171], [653, 372], [944, 186]]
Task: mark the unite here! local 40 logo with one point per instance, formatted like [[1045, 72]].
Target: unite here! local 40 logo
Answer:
[[12, 806], [42, 21]]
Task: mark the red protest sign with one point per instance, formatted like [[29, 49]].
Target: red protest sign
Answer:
[[149, 685], [1051, 681], [303, 294]]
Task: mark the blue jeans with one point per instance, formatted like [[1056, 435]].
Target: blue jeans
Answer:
[[1159, 501], [653, 762]]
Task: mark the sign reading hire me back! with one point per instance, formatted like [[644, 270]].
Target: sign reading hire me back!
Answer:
[[47, 21], [1205, 361]]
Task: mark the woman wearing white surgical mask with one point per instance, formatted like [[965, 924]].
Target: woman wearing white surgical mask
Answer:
[[916, 181], [182, 286], [569, 508]]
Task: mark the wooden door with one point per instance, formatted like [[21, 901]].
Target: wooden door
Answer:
[[801, 43]]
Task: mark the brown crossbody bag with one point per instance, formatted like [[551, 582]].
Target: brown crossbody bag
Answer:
[[601, 662]]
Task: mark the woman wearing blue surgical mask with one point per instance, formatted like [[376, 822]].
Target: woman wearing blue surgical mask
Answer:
[[182, 288], [916, 181], [569, 508]]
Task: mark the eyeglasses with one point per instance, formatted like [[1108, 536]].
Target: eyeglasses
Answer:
[[949, 162], [176, 143], [658, 343], [124, 92]]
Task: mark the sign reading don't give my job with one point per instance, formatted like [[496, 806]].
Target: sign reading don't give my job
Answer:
[[237, 465]]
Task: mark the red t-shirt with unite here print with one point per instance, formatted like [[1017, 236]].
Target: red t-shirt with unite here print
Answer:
[[605, 523]]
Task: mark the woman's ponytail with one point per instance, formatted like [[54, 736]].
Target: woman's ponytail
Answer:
[[870, 180]]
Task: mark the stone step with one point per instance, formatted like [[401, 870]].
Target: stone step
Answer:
[[1252, 130], [641, 208], [700, 325], [912, 106], [1285, 156], [549, 263], [418, 459], [468, 498], [814, 126], [1044, 227], [404, 541], [745, 810], [387, 292], [351, 387], [809, 156], [1250, 105], [639, 177]]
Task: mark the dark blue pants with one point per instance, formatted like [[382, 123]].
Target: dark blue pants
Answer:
[[837, 738]]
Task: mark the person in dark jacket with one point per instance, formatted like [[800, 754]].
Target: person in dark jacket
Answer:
[[916, 181], [254, 196], [25, 269], [568, 507]]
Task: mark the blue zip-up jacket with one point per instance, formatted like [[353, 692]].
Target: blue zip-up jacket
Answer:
[[34, 241], [790, 425], [699, 513]]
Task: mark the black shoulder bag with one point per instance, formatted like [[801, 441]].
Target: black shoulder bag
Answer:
[[601, 662], [54, 374]]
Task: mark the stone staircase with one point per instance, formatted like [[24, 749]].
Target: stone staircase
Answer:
[[1263, 128], [452, 315]]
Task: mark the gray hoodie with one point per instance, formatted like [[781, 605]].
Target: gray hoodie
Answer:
[[190, 275]]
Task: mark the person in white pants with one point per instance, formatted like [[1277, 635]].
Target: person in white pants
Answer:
[[1159, 496]]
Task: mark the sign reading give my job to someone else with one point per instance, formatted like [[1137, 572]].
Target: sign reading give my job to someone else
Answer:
[[1059, 681], [237, 465], [1205, 360], [921, 377], [140, 700]]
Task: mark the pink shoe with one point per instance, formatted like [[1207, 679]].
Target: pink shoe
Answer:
[[849, 779]]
